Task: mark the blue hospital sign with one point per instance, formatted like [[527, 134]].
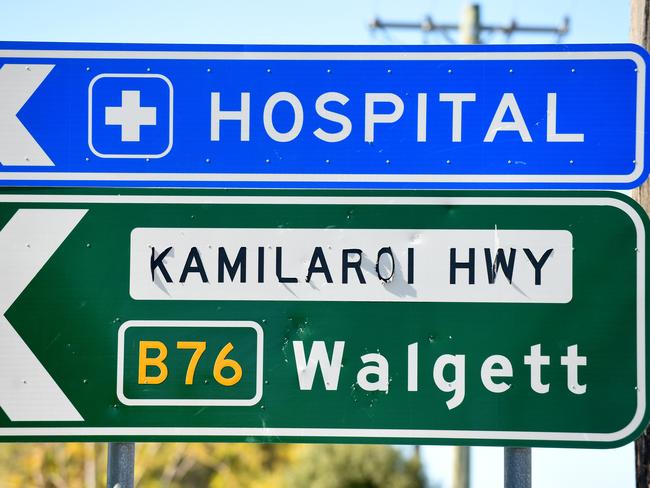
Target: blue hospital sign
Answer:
[[323, 117]]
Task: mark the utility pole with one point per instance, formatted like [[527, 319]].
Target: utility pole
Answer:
[[470, 27], [470, 32], [639, 34], [460, 467], [517, 461]]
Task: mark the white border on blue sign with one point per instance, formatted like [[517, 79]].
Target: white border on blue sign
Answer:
[[317, 178]]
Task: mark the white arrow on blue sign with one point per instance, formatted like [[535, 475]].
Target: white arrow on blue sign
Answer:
[[323, 117]]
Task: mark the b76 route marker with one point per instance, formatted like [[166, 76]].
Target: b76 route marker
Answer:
[[485, 318], [323, 117]]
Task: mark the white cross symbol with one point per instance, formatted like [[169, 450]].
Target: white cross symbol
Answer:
[[130, 116]]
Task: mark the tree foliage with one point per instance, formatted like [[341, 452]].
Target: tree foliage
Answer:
[[354, 466], [71, 465], [212, 465]]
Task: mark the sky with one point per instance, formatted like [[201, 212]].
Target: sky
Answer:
[[345, 22], [293, 21]]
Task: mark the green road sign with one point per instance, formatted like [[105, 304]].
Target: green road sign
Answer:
[[428, 317]]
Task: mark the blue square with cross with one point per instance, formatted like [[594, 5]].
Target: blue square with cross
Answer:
[[130, 116]]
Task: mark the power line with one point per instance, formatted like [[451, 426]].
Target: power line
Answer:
[[470, 28]]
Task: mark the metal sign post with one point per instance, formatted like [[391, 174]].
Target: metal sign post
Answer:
[[517, 467], [121, 464]]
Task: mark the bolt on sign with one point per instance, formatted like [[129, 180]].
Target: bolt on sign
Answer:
[[97, 115], [436, 318]]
